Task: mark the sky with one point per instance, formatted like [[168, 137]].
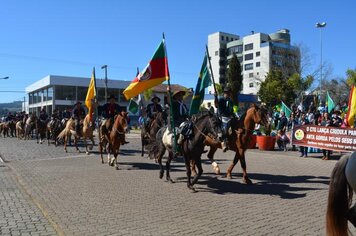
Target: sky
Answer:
[[69, 38]]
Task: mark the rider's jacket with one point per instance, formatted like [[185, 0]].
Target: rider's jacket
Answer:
[[152, 109], [78, 113], [180, 112], [43, 116], [225, 107], [110, 110]]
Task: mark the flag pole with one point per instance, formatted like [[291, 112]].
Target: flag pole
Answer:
[[170, 105], [95, 98], [211, 73]]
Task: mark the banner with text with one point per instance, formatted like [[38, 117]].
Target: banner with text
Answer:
[[330, 138]]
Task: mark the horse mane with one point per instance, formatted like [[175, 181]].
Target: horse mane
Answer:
[[339, 200], [201, 115]]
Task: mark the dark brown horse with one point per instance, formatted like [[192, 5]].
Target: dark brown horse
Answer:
[[341, 188], [147, 136], [240, 137], [41, 130], [206, 126], [116, 138], [54, 128]]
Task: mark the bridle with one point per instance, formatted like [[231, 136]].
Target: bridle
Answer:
[[213, 135]]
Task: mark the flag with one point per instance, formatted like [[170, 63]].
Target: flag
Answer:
[[329, 103], [350, 116], [286, 110], [204, 81], [135, 105], [155, 73], [91, 94]]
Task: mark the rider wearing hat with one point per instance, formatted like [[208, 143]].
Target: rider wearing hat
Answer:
[[226, 110], [78, 113], [153, 108], [43, 115], [109, 111], [180, 110]]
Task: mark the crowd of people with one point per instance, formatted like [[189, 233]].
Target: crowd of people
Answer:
[[312, 115]]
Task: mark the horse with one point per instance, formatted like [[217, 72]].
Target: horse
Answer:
[[117, 138], [148, 135], [30, 125], [4, 129], [20, 131], [86, 132], [12, 128], [54, 127], [341, 188], [240, 137], [41, 128], [206, 127]]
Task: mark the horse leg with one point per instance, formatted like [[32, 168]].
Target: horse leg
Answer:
[[168, 167], [200, 170], [232, 165], [116, 153], [65, 142], [192, 166], [142, 146], [85, 144], [76, 138], [246, 179], [159, 161], [101, 151], [214, 164], [189, 173]]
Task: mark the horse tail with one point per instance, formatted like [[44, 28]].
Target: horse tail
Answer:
[[62, 134], [339, 200]]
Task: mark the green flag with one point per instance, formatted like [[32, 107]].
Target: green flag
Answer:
[[329, 103], [286, 110], [134, 104], [203, 82]]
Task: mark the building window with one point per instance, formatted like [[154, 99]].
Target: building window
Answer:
[[65, 93], [250, 85], [50, 93], [248, 56], [222, 38], [227, 38], [249, 66], [258, 54], [216, 53], [258, 64], [249, 46], [250, 75]]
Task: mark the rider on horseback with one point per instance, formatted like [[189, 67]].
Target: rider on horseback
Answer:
[[78, 113], [43, 115], [225, 109], [109, 111], [152, 109]]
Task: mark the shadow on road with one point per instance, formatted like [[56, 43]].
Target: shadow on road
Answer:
[[265, 184]]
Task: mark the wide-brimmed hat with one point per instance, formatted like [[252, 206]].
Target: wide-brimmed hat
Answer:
[[179, 92], [155, 97]]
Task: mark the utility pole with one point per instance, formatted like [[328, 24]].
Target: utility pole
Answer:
[[106, 82]]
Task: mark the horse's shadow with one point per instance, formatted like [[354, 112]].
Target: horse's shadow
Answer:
[[149, 166], [265, 184]]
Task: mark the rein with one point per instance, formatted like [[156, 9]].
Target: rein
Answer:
[[201, 132]]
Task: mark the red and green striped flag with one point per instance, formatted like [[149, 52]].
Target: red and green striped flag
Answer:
[[155, 73]]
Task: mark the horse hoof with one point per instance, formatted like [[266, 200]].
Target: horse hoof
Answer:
[[87, 153], [228, 176], [217, 171], [247, 181], [170, 180], [161, 175], [192, 189], [102, 162], [117, 168]]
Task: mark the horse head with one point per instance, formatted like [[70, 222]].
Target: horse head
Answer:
[[209, 124], [258, 114]]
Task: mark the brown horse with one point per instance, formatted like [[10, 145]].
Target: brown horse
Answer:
[[147, 136], [116, 138], [41, 128], [30, 124], [240, 137], [86, 132], [20, 129], [341, 188], [206, 127]]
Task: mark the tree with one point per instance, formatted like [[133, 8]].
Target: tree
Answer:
[[351, 77], [219, 89], [277, 88], [234, 77]]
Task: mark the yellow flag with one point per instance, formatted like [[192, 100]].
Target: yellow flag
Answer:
[[91, 94], [351, 113]]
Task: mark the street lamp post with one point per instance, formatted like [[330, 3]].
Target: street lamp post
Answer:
[[7, 77], [106, 82], [321, 26]]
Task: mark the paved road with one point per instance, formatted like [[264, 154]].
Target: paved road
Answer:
[[47, 191]]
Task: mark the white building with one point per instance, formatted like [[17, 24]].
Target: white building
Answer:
[[61, 92], [258, 53]]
